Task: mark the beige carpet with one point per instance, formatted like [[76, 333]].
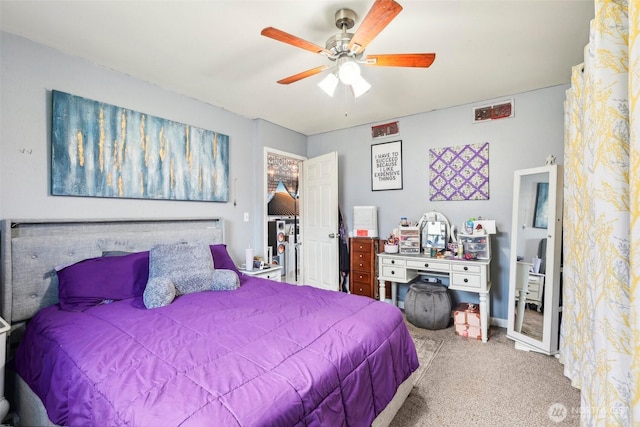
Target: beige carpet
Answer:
[[427, 350], [466, 382]]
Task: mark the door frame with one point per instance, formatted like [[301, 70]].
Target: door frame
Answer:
[[265, 194]]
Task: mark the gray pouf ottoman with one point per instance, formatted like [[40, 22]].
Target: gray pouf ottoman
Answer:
[[428, 305]]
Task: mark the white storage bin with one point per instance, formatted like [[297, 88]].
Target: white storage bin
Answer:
[[478, 245], [409, 240]]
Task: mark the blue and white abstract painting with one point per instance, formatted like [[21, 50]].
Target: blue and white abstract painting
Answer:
[[101, 150]]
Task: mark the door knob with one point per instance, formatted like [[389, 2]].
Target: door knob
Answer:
[[332, 235]]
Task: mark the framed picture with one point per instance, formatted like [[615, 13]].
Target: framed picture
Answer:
[[102, 150], [540, 213], [386, 166], [385, 130], [501, 110]]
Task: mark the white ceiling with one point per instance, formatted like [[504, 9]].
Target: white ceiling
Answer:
[[213, 51]]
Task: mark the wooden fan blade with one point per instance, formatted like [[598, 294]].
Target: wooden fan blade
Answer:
[[303, 75], [381, 13], [422, 60], [283, 37]]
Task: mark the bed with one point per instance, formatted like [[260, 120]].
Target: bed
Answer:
[[266, 353]]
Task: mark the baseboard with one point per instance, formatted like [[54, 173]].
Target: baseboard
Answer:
[[501, 323]]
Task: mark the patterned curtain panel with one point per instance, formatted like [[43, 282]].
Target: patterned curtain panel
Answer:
[[600, 333]]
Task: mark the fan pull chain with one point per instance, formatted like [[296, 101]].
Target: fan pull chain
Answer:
[[344, 100]]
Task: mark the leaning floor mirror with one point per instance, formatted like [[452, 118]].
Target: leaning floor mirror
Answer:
[[535, 259]]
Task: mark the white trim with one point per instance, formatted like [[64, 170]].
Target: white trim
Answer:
[[265, 191], [501, 323]]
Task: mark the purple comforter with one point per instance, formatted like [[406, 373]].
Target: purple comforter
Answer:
[[267, 354]]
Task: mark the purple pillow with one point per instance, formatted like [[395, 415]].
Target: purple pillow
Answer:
[[221, 258], [92, 281]]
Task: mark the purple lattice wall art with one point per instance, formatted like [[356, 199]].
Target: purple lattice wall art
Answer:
[[459, 173]]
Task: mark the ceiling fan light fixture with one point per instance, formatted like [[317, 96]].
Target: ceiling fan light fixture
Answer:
[[348, 72], [359, 86], [329, 84], [347, 49]]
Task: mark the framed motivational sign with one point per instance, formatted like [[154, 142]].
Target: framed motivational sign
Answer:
[[386, 166]]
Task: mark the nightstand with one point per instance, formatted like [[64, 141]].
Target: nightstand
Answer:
[[272, 273]]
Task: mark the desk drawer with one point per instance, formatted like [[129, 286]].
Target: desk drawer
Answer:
[[466, 268], [468, 280], [427, 264], [394, 261], [393, 272]]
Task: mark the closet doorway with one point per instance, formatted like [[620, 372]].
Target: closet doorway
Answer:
[[283, 221], [302, 206]]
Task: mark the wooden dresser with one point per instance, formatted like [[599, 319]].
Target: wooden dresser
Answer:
[[363, 267]]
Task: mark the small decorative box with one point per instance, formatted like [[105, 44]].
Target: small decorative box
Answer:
[[468, 331]]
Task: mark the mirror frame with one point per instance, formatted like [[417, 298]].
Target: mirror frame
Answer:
[[551, 316], [434, 216]]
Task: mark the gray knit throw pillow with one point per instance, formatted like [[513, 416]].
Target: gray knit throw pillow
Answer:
[[225, 280], [188, 266]]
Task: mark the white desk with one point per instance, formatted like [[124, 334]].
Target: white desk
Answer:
[[470, 276]]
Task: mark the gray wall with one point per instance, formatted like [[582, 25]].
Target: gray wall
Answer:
[[274, 138], [30, 71], [521, 142]]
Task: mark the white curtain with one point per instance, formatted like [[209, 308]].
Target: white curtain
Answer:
[[600, 333]]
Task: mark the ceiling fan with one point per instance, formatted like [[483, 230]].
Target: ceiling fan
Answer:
[[347, 49]]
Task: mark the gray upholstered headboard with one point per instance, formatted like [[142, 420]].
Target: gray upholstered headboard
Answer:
[[31, 249]]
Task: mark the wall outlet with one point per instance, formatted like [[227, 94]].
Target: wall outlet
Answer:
[[246, 217]]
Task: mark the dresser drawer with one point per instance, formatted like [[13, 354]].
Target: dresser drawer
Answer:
[[360, 277], [428, 265], [361, 261], [361, 288], [467, 280], [273, 275], [359, 246], [394, 272]]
